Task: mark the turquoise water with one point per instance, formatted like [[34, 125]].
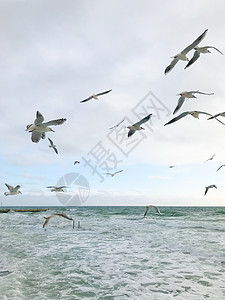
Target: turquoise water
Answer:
[[114, 254]]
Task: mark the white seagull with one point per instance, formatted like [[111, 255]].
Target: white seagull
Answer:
[[117, 124], [55, 215], [147, 208], [137, 126], [211, 158], [12, 190], [182, 54], [57, 188], [198, 51], [209, 187], [113, 174], [220, 167], [39, 128], [193, 113], [52, 145], [95, 96], [187, 95]]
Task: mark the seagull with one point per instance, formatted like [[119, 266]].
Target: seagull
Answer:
[[57, 188], [76, 162], [137, 126], [220, 167], [198, 51], [112, 174], [189, 94], [182, 54], [147, 208], [209, 187], [39, 128], [211, 158], [171, 167], [117, 124], [193, 113], [52, 146], [55, 215], [95, 96], [12, 190]]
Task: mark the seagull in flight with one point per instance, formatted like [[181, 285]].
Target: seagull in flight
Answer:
[[209, 187], [171, 167], [76, 162], [57, 188], [182, 54], [137, 126], [12, 190], [95, 96], [52, 145], [187, 95], [193, 113], [117, 124], [38, 128], [113, 174], [55, 215], [220, 167], [211, 158], [147, 208], [198, 51]]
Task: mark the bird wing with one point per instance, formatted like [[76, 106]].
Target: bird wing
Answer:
[[55, 122], [220, 167], [178, 117], [56, 151], [131, 132], [36, 136], [17, 187], [10, 188], [195, 43], [214, 48], [193, 59], [171, 65], [51, 187], [206, 190], [147, 208], [118, 172], [63, 215], [103, 93], [51, 142], [87, 99], [179, 104], [145, 119], [46, 222], [197, 92], [117, 124], [39, 118]]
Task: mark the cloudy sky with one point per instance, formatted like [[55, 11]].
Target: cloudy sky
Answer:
[[55, 53]]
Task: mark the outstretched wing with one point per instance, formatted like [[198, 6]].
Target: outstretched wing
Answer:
[[195, 43], [178, 118], [179, 104], [206, 190], [214, 48], [55, 149], [118, 172], [103, 93], [55, 122], [220, 168], [39, 118], [197, 92], [193, 59], [36, 136], [87, 99], [117, 124], [46, 222], [17, 187], [171, 65], [63, 215], [131, 132], [51, 142], [10, 188], [145, 119]]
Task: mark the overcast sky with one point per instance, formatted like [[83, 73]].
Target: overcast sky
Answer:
[[56, 53]]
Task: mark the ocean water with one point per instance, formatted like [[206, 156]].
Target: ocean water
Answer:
[[114, 254]]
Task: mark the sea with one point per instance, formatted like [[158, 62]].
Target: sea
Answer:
[[113, 253]]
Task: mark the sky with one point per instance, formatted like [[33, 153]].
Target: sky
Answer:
[[55, 53]]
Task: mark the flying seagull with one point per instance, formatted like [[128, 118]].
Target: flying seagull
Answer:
[[52, 145], [137, 126], [182, 54], [113, 174], [55, 215], [189, 94], [116, 125], [220, 167], [211, 158], [57, 188], [193, 113], [147, 208], [12, 190], [209, 187], [39, 128], [95, 96], [171, 167], [76, 162], [198, 51]]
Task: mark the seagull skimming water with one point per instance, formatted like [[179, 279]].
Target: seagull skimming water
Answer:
[[147, 208], [55, 215]]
